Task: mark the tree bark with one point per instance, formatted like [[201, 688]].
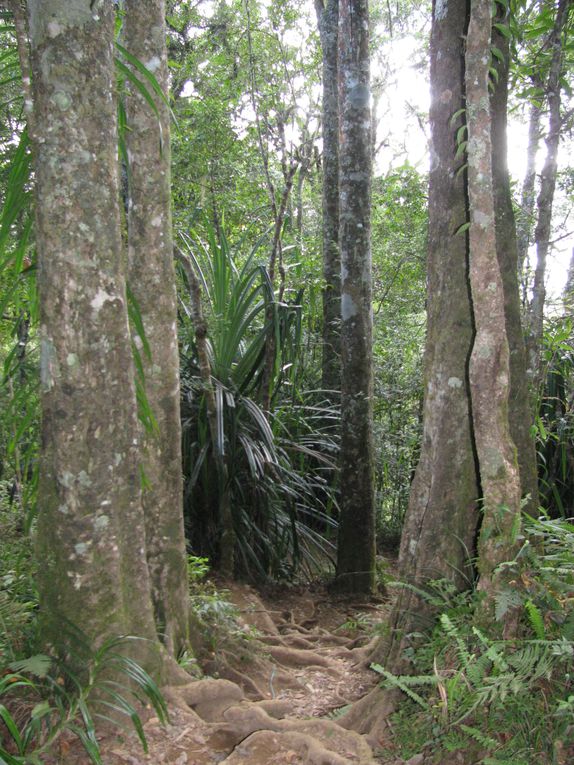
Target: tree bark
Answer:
[[520, 412], [441, 520], [151, 277], [489, 366], [90, 535], [356, 548], [442, 517], [528, 198], [328, 17]]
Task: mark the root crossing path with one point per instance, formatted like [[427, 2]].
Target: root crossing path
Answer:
[[273, 699]]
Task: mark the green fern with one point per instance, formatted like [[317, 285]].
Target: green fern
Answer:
[[536, 619], [486, 741], [450, 629], [38, 665], [505, 601], [405, 684]]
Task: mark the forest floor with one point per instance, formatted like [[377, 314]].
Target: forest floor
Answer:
[[270, 693]]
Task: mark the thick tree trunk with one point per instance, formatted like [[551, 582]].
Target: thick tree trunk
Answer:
[[328, 16], [520, 412], [90, 535], [546, 196], [441, 520], [356, 548], [442, 517], [151, 279], [489, 366]]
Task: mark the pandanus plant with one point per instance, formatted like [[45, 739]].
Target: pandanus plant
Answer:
[[257, 495]]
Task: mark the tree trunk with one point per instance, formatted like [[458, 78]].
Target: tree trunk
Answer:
[[90, 535], [520, 412], [528, 197], [328, 17], [356, 549], [151, 278], [489, 366], [440, 525], [546, 195], [441, 520]]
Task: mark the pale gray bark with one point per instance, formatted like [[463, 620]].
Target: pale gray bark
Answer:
[[489, 366], [151, 277], [90, 534], [356, 547], [328, 19]]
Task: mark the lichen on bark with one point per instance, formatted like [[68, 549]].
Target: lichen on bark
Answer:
[[90, 530], [151, 277], [356, 546]]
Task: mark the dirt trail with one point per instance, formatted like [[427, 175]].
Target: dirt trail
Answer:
[[270, 706]]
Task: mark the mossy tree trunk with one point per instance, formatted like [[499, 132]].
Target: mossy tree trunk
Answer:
[[356, 547], [328, 18], [489, 365], [90, 533], [151, 277]]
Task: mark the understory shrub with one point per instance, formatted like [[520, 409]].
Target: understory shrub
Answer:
[[273, 470], [511, 701], [42, 699]]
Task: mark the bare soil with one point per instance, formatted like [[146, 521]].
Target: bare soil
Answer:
[[270, 700]]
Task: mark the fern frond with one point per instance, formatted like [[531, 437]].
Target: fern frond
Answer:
[[465, 657], [505, 601], [404, 683], [536, 619], [479, 736]]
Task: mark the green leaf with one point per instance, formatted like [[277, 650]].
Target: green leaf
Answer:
[[89, 742], [460, 134], [12, 728], [497, 53], [461, 150], [463, 228], [146, 74], [139, 86], [503, 29], [38, 665], [536, 620], [456, 115]]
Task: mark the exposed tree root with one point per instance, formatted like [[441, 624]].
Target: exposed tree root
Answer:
[[370, 715], [263, 708]]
